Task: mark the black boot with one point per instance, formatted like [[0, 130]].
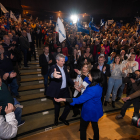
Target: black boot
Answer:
[[113, 104]]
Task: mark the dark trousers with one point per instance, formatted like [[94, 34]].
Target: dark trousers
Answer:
[[33, 50], [63, 94], [83, 128], [38, 40], [25, 53], [136, 104]]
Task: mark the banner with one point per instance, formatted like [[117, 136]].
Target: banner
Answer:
[[3, 9], [93, 27], [13, 16], [61, 30], [110, 22]]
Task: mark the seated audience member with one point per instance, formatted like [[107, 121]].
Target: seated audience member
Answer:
[[7, 98], [115, 80], [101, 53], [105, 69], [8, 128], [6, 44], [7, 66], [111, 58]]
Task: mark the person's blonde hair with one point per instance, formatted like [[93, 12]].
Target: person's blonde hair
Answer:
[[89, 66], [113, 53]]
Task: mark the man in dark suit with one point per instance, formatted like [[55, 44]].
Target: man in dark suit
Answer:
[[25, 46], [58, 87], [46, 60], [105, 68]]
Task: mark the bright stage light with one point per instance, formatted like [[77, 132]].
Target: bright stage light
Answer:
[[74, 18]]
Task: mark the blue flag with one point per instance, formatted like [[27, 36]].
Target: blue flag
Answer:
[[81, 28], [53, 22], [119, 24], [93, 27]]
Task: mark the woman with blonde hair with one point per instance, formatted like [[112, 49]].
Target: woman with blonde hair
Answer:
[[82, 81]]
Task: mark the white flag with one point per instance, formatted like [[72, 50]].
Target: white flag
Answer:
[[19, 19], [3, 9], [13, 16], [61, 30]]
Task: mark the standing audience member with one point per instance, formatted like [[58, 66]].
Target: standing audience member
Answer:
[[105, 69], [115, 80], [46, 60], [25, 47]]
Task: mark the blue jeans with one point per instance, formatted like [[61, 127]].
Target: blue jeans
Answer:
[[113, 84], [120, 92], [18, 113], [46, 80], [14, 86]]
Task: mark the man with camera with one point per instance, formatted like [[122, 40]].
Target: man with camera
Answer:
[[133, 85]]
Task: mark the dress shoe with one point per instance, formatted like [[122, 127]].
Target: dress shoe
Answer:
[[64, 121], [56, 123]]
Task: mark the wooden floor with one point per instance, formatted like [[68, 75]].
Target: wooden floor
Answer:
[[109, 127]]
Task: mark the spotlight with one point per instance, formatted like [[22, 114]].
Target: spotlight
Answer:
[[74, 18]]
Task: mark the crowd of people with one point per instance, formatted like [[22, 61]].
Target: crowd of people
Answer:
[[113, 54]]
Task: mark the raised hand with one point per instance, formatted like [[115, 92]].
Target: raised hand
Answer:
[[134, 64], [9, 108], [12, 56], [104, 69], [76, 83], [56, 74], [50, 62], [13, 74], [77, 71], [5, 76], [98, 67], [60, 100]]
